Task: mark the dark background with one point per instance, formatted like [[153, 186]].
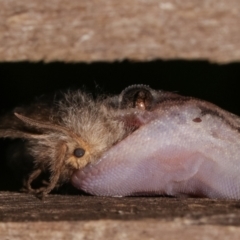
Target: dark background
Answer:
[[20, 83]]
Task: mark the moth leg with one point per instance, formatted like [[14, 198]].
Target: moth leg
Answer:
[[31, 178], [56, 170], [45, 182], [28, 184]]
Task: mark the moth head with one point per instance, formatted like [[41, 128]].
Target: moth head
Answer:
[[78, 152], [70, 149]]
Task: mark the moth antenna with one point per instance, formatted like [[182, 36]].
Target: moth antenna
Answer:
[[11, 133], [42, 125]]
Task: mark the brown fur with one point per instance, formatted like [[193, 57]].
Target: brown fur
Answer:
[[54, 131]]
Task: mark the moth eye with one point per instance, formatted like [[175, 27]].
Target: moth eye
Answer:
[[79, 152]]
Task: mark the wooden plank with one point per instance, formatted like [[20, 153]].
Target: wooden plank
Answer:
[[23, 216], [20, 207], [109, 30], [117, 230]]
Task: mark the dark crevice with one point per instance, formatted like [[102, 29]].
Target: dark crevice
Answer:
[[21, 82]]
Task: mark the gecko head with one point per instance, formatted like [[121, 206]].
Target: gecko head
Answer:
[[140, 97]]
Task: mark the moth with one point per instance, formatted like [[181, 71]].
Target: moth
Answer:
[[65, 134]]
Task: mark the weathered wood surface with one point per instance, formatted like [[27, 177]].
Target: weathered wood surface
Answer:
[[20, 207], [23, 216], [108, 30]]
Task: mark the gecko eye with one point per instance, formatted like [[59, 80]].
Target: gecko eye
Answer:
[[79, 152]]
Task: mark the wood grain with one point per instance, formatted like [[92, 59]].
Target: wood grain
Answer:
[[106, 30], [86, 217]]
